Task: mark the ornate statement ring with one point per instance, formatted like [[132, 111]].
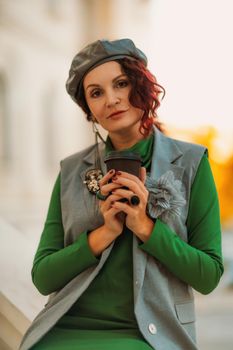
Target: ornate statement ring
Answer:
[[134, 200], [100, 196]]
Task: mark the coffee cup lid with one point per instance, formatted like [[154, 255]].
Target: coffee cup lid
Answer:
[[123, 155]]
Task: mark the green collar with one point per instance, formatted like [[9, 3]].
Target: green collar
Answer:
[[143, 147]]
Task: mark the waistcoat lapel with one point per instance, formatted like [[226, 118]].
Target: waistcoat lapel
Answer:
[[89, 199], [90, 158], [164, 158]]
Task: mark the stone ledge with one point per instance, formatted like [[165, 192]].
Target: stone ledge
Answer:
[[19, 300], [13, 324], [16, 256]]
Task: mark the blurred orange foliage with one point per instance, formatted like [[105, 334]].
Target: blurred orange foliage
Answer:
[[222, 167]]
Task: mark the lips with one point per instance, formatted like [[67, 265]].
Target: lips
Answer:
[[115, 113]]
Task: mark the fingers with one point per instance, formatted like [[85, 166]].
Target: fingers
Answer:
[[113, 211], [113, 181], [125, 207], [126, 194], [132, 183], [108, 210], [143, 175], [107, 177], [123, 193], [119, 185], [112, 173], [107, 204], [105, 186], [107, 189], [132, 178]]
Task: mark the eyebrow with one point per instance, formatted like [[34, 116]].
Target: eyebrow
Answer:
[[97, 85]]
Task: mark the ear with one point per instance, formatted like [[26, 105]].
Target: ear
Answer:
[[143, 174]]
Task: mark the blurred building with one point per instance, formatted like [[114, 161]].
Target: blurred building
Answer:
[[40, 125]]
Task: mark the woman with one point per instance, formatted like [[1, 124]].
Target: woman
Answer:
[[125, 281]]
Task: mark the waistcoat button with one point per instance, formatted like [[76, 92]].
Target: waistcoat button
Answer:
[[152, 328]]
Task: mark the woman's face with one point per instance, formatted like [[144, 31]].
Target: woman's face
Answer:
[[107, 90]]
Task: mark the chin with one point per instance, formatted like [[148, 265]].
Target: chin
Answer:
[[122, 129]]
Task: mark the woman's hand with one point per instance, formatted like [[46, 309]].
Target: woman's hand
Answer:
[[136, 218], [100, 238], [113, 223]]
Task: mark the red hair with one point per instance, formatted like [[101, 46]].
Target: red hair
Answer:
[[145, 93]]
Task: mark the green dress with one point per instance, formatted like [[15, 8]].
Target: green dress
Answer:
[[103, 316]]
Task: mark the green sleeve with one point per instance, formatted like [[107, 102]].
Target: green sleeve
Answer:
[[199, 261], [55, 265]]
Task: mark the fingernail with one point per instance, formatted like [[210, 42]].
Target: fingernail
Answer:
[[111, 171], [118, 172]]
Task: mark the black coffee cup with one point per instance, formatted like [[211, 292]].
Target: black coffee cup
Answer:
[[129, 162]]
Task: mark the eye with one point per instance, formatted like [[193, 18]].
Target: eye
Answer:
[[95, 93], [122, 83]]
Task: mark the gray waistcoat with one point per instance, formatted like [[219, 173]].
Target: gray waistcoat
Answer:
[[164, 306]]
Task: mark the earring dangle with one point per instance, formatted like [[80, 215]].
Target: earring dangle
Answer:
[[96, 132], [93, 176]]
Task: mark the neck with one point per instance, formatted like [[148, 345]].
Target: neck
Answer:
[[124, 141]]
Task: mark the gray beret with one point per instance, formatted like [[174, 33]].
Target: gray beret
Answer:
[[96, 53]]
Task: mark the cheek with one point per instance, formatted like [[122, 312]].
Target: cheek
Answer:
[[96, 111], [91, 105], [127, 94], [137, 112]]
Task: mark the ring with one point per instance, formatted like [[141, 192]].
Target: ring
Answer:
[[134, 200], [100, 196]]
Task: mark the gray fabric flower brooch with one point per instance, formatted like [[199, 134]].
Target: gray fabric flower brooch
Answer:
[[165, 198]]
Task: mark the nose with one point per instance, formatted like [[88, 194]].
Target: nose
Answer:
[[112, 98]]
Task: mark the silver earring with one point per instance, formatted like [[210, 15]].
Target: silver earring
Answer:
[[96, 132]]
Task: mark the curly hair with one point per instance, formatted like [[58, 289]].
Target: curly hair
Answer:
[[145, 94]]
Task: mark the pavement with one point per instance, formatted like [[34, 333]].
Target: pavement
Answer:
[[215, 311], [215, 319]]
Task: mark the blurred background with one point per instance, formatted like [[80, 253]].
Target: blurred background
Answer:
[[189, 48]]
